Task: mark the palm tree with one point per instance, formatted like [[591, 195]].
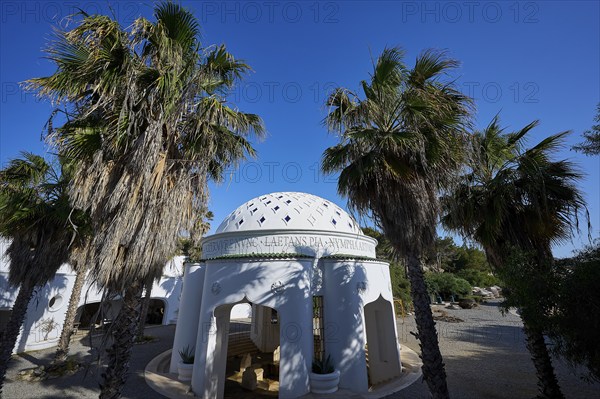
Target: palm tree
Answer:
[[144, 307], [192, 248], [148, 124], [400, 145], [36, 217], [79, 264], [513, 202], [591, 145]]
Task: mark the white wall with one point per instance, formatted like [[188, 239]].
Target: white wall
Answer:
[[43, 324]]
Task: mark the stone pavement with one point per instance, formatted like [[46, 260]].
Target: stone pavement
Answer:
[[485, 357]]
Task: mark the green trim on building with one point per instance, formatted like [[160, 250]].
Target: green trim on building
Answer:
[[279, 255]]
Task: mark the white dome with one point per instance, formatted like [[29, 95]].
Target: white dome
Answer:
[[289, 211]]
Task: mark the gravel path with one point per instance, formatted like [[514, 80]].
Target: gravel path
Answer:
[[485, 358]]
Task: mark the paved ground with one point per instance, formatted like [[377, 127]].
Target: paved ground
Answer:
[[84, 384], [485, 358]]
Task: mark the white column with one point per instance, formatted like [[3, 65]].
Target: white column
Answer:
[[296, 332], [206, 345], [344, 328], [186, 331], [214, 386]]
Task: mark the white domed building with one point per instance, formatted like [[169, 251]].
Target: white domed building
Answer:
[[314, 287]]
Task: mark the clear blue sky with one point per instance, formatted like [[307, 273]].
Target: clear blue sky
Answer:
[[528, 60]]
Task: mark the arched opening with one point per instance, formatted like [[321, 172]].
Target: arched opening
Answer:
[[156, 312], [251, 355], [383, 361], [96, 315]]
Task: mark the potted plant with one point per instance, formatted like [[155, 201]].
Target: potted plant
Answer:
[[324, 378], [186, 364]]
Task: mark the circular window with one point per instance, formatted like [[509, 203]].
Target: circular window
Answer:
[[55, 303]]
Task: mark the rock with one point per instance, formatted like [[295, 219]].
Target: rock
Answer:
[[245, 362], [453, 307], [494, 291], [259, 373], [249, 380], [482, 292], [467, 303], [277, 355], [499, 289]]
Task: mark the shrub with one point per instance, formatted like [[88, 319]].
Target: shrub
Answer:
[[447, 285], [576, 317], [400, 284], [479, 278]]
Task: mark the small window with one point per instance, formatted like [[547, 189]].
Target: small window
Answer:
[[55, 303], [240, 222], [276, 208], [262, 220], [334, 221], [288, 202], [287, 218]]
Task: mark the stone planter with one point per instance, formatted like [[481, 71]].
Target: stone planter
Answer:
[[324, 383], [185, 371]]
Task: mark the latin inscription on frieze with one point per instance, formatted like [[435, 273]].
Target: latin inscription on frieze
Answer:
[[285, 244]]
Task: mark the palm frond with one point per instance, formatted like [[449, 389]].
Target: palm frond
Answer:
[[147, 125]]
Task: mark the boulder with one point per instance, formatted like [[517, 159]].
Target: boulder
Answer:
[[482, 292], [249, 380], [467, 303], [245, 362]]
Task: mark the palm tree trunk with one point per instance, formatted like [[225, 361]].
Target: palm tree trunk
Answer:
[[433, 364], [11, 333], [124, 330], [547, 382], [145, 307], [67, 330]]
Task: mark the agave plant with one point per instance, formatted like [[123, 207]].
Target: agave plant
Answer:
[[320, 366], [187, 355]]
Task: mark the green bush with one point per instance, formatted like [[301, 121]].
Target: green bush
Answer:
[[447, 285], [479, 278], [575, 320], [400, 284]]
